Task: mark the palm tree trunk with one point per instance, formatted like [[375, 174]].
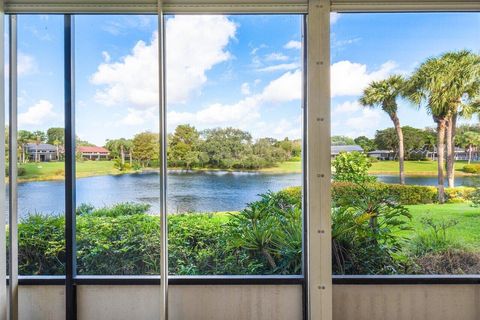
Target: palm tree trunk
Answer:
[[441, 126], [451, 130], [401, 149], [122, 155], [470, 153]]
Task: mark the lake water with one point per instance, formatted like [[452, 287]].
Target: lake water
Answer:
[[193, 191]]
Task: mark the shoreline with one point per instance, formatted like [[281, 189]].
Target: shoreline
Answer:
[[289, 167]]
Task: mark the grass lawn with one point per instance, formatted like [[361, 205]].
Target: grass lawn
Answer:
[[466, 232], [412, 167], [56, 170], [285, 167]]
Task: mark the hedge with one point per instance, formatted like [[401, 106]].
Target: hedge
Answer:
[[404, 194]]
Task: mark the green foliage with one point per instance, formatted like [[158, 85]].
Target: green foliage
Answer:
[[270, 230], [41, 245], [342, 141], [434, 238], [475, 198], [183, 147], [352, 167], [55, 134], [146, 147], [413, 139], [366, 143], [364, 238], [471, 168]]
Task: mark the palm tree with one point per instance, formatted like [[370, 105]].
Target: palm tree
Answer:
[[469, 140], [384, 94], [425, 86], [460, 91]]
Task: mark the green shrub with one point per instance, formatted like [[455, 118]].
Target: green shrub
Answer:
[[363, 233], [434, 238], [403, 194], [471, 168], [459, 194], [475, 197], [352, 167], [21, 171]]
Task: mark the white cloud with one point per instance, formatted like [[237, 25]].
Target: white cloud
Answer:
[[347, 107], [349, 78], [279, 67], [334, 16], [38, 114], [292, 44], [246, 112], [363, 124], [276, 56], [286, 88], [136, 117], [133, 80], [26, 64], [245, 88]]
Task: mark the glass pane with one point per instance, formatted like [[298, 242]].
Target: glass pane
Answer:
[[234, 122], [405, 86], [41, 171], [117, 145]]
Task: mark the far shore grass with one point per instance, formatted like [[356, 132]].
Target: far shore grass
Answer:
[[55, 170]]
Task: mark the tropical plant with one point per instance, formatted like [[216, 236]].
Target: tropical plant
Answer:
[[384, 94], [352, 167], [449, 86], [469, 140]]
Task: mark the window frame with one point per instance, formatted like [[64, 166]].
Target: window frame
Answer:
[[317, 119]]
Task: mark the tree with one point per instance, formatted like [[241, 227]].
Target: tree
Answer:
[[413, 139], [56, 134], [384, 94], [146, 147], [23, 138], [469, 140], [342, 141], [183, 147], [366, 143], [226, 147], [425, 86], [118, 148], [460, 92]]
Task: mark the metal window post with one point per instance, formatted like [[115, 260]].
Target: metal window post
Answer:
[[163, 165], [3, 217], [319, 277], [12, 173], [70, 218]]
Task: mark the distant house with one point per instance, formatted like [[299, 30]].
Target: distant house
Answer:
[[93, 153], [382, 154], [335, 150], [42, 152]]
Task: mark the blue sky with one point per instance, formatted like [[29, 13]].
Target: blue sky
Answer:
[[241, 71]]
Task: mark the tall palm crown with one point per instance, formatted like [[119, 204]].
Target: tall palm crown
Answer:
[[448, 84], [384, 94]]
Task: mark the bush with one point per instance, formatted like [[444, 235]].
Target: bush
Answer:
[[352, 167], [471, 168], [475, 197], [363, 233], [451, 261], [403, 194], [459, 194], [434, 238], [21, 171]]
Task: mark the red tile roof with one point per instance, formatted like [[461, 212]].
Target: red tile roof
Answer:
[[92, 150]]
